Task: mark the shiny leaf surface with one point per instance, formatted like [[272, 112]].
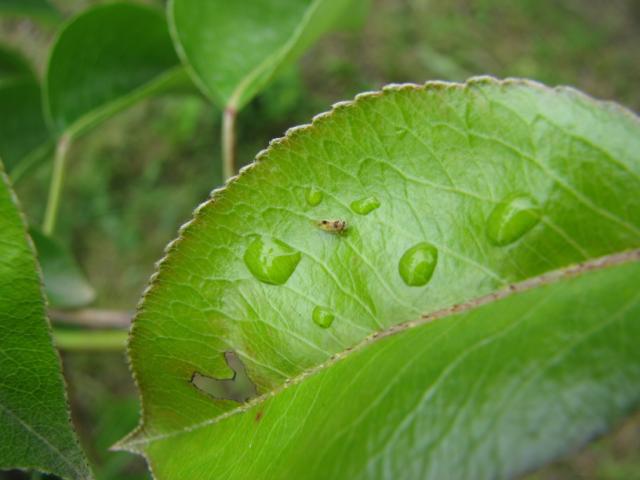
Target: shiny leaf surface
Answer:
[[448, 354]]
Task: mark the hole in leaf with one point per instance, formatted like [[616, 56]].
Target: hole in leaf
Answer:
[[238, 388]]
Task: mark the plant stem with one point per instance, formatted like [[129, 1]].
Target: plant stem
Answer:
[[90, 340], [92, 318], [229, 142], [55, 187]]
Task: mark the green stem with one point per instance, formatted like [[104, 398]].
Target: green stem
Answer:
[[55, 187], [229, 143], [90, 340]]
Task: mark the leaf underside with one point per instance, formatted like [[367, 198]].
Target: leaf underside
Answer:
[[447, 194], [34, 418]]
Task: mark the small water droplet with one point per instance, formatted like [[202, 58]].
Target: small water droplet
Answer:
[[270, 260], [418, 263], [365, 205], [512, 218], [314, 196], [323, 317]]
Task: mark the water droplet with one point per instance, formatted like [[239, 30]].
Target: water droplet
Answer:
[[418, 263], [314, 196], [323, 317], [366, 205], [511, 219], [270, 260]]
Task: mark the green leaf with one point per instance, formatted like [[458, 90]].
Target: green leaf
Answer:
[[106, 59], [40, 9], [13, 65], [34, 417], [269, 36], [64, 283], [481, 320], [24, 136]]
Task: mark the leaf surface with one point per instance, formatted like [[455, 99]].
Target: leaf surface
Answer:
[[106, 59], [40, 9], [269, 36], [34, 417], [467, 308], [24, 136], [65, 284]]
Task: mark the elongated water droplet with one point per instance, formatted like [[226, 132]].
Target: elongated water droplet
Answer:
[[365, 205], [418, 263], [323, 317], [314, 196], [270, 260], [511, 219]]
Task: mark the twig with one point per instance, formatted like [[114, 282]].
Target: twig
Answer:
[[92, 318], [229, 143], [90, 340], [57, 181]]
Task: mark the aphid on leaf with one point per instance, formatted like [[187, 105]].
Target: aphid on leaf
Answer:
[[333, 226]]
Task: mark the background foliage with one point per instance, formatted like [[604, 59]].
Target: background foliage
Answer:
[[132, 184]]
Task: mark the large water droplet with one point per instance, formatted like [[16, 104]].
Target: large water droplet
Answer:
[[323, 317], [366, 205], [512, 218], [314, 196], [270, 260], [418, 263]]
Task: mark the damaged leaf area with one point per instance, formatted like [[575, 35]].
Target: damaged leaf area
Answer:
[[478, 317], [238, 388]]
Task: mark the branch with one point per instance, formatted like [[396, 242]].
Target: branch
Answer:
[[92, 318]]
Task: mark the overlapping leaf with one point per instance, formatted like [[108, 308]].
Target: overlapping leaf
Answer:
[[24, 137], [234, 49], [39, 9], [34, 418], [106, 59], [467, 309], [65, 284]]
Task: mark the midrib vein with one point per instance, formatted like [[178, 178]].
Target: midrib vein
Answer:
[[548, 278]]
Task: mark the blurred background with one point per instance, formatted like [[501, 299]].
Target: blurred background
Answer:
[[136, 179]]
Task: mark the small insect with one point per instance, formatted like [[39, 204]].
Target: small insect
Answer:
[[333, 226]]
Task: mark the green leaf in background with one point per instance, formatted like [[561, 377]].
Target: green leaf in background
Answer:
[[13, 65], [64, 283], [24, 137], [105, 60], [269, 35], [40, 9], [34, 419], [477, 318]]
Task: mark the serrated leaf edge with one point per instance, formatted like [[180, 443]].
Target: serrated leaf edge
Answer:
[[137, 436], [4, 178]]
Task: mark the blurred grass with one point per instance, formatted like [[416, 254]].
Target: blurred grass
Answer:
[[135, 180]]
